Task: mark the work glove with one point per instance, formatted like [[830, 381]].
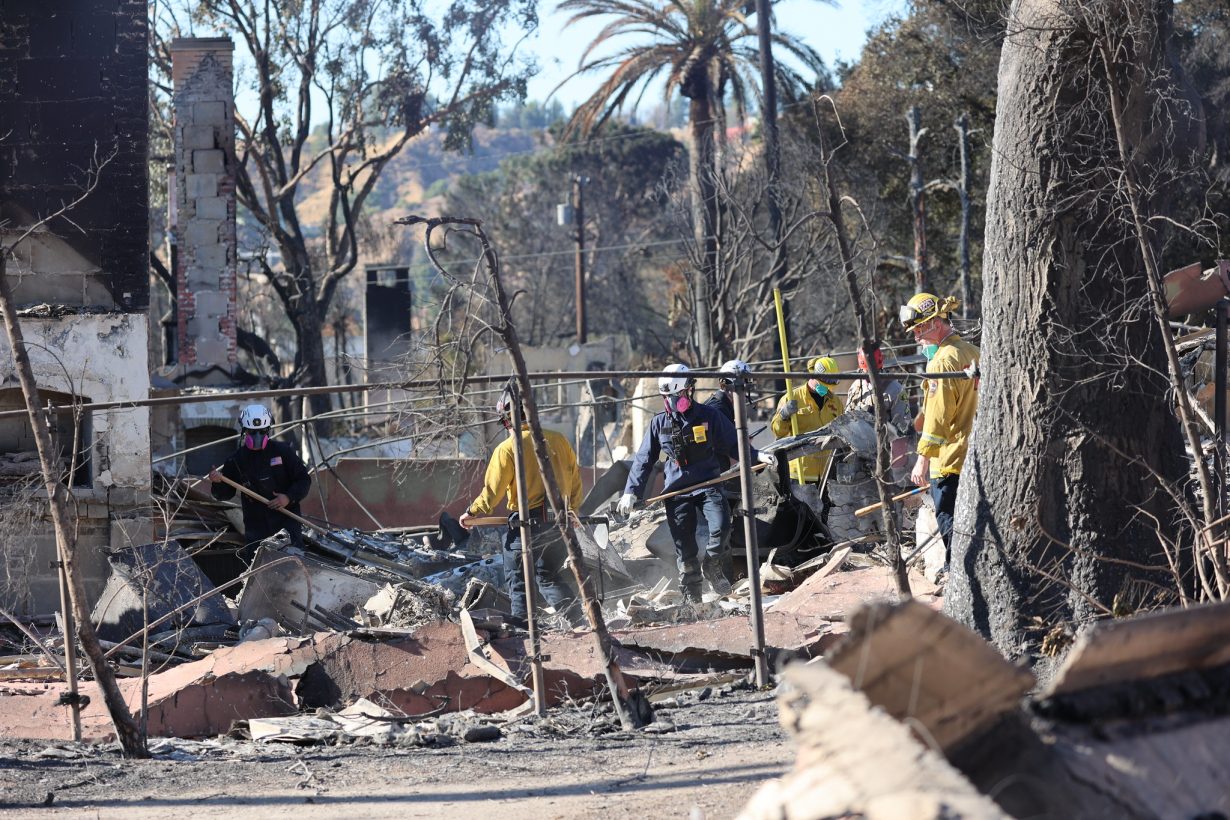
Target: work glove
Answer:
[[788, 409], [626, 502], [766, 458], [971, 372]]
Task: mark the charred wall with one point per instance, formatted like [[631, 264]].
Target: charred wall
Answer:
[[73, 93]]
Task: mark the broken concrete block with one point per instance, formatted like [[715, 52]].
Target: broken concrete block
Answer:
[[392, 672], [1146, 646], [187, 701], [726, 643]]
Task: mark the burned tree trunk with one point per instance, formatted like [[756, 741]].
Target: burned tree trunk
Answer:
[[867, 332], [1067, 508]]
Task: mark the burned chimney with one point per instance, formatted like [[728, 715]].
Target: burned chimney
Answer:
[[204, 229]]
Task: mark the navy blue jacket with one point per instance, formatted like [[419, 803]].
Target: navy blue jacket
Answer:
[[722, 401], [659, 439], [275, 469]]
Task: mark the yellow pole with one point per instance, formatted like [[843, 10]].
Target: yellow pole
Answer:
[[796, 466]]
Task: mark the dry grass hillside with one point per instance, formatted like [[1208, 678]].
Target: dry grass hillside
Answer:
[[422, 171]]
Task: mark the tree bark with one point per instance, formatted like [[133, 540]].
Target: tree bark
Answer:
[[918, 200], [964, 183], [1063, 513], [702, 171], [131, 739]]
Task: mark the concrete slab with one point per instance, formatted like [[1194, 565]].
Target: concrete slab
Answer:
[[726, 643], [833, 597]]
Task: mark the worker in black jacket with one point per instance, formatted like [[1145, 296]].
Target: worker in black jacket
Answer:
[[269, 468]]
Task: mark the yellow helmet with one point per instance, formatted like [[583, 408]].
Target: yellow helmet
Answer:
[[823, 364], [923, 307]]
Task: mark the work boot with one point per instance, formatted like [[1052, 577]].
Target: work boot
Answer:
[[691, 593], [711, 568]]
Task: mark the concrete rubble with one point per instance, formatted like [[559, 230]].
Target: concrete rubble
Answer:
[[348, 620], [913, 715], [897, 710]]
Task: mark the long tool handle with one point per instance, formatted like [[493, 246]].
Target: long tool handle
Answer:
[[861, 511], [500, 520], [797, 465], [258, 497], [729, 475]]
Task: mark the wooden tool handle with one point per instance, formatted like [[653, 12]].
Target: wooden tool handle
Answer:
[[729, 475], [258, 497], [861, 511]]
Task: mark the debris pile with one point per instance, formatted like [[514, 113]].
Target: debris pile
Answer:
[[913, 715]]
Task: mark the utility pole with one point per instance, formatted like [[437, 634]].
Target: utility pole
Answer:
[[578, 202]]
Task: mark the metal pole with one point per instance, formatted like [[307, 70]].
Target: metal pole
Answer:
[[1219, 403], [748, 512], [527, 557], [578, 185]]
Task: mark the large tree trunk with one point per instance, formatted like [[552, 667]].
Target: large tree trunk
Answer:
[[702, 174], [310, 326], [1060, 502]]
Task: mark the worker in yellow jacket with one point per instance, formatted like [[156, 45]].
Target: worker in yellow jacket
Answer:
[[809, 407], [948, 404], [550, 554]]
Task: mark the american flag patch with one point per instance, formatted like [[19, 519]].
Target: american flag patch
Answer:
[[275, 461]]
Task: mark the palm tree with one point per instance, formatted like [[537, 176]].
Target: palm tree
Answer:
[[707, 52]]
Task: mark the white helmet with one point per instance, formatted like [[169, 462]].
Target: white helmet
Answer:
[[255, 417], [676, 382], [734, 367]]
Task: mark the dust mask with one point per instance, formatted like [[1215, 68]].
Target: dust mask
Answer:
[[255, 440], [677, 404], [929, 350]]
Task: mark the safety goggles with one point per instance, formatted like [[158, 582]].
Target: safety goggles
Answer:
[[912, 316]]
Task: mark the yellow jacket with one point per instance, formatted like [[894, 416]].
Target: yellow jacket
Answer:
[[501, 477], [810, 417], [948, 408]]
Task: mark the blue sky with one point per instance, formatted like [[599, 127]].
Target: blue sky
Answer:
[[836, 31]]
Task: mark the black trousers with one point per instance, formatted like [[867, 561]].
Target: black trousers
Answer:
[[944, 494]]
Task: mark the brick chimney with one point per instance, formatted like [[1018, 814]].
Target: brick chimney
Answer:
[[204, 230]]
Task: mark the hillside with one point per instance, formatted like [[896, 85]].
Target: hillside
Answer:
[[422, 171]]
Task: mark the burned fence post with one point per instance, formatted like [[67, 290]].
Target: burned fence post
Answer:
[[527, 556]]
